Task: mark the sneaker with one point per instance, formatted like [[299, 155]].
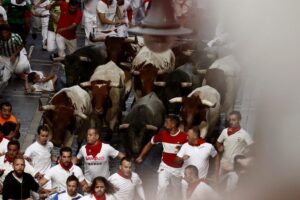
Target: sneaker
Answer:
[[53, 55], [44, 48]]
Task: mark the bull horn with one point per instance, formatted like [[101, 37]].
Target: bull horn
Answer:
[[80, 114], [186, 84], [151, 127], [159, 83], [160, 72], [208, 103], [125, 64], [202, 71], [134, 72], [48, 107], [84, 58], [114, 85], [176, 100], [85, 84], [128, 40], [188, 52], [124, 126]]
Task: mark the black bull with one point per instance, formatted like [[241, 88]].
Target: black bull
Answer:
[[142, 122], [179, 83]]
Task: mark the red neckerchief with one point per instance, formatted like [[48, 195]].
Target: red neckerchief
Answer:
[[99, 197], [1, 138], [233, 130], [67, 168], [8, 138], [93, 150], [105, 1], [123, 175], [192, 187], [199, 142], [8, 159]]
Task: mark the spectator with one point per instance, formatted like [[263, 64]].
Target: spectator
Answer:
[[72, 189], [16, 16], [18, 184], [232, 141], [69, 19], [39, 153], [60, 172], [40, 7], [197, 188], [42, 83], [12, 55], [95, 155], [3, 142], [128, 182], [169, 172], [101, 189]]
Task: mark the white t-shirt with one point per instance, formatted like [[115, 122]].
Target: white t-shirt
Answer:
[[203, 191], [8, 168], [3, 145], [59, 176], [65, 196], [199, 156], [91, 197], [127, 187], [90, 6], [235, 144], [47, 86], [110, 13], [3, 12], [98, 166], [40, 156]]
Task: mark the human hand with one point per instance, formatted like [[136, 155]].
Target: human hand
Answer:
[[139, 159], [185, 157]]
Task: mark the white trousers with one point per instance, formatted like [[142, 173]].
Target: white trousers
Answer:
[[51, 41], [90, 23], [65, 46], [21, 65], [37, 22], [166, 178]]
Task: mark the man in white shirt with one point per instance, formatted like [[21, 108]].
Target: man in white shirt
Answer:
[[232, 141], [89, 18], [197, 188], [71, 193], [39, 153], [198, 153], [106, 20], [128, 182], [95, 156], [60, 172]]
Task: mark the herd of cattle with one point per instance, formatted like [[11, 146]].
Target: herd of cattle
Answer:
[[184, 81]]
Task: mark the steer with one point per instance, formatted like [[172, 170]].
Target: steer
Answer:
[[200, 108], [80, 65], [142, 122], [223, 75], [106, 87], [67, 115], [146, 67]]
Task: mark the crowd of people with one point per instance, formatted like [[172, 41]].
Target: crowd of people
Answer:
[[190, 167]]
